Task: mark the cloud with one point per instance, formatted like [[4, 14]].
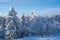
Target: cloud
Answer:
[[4, 0], [52, 0], [4, 3], [49, 11], [1, 14], [1, 6]]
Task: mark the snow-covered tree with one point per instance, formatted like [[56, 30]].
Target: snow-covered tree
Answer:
[[12, 23], [2, 26], [12, 26]]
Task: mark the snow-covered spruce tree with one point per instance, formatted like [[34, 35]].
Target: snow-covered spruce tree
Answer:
[[24, 27], [28, 26], [2, 26], [57, 18], [41, 24], [57, 23], [12, 25], [51, 27], [32, 23]]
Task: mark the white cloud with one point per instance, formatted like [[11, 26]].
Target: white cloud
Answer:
[[52, 0], [4, 3], [1, 14], [2, 6], [4, 0], [49, 11]]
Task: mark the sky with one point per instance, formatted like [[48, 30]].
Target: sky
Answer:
[[40, 7]]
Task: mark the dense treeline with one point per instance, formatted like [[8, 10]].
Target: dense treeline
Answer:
[[13, 27]]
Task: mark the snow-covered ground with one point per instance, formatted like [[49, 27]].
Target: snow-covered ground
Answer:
[[39, 38]]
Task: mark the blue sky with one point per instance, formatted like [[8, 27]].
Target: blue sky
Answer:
[[40, 7]]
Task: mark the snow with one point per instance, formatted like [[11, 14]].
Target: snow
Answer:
[[15, 27], [39, 38]]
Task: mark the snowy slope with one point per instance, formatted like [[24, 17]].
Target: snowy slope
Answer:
[[39, 38]]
